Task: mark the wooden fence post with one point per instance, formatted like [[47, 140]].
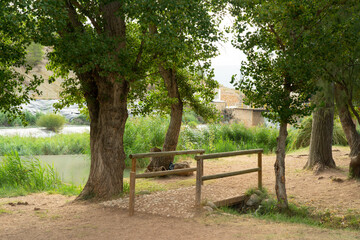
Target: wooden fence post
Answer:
[[132, 187], [198, 182], [260, 170], [202, 169]]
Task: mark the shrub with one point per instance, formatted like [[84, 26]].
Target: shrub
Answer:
[[302, 136], [82, 119], [34, 54], [6, 121], [223, 138], [51, 121]]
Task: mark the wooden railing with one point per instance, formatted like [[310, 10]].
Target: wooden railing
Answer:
[[133, 174], [200, 169]]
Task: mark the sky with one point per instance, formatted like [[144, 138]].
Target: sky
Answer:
[[228, 62]]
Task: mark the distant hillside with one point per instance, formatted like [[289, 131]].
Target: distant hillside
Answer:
[[49, 91]]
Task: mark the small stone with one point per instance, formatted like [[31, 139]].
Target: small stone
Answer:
[[36, 209], [208, 209], [211, 204], [254, 200], [258, 192]]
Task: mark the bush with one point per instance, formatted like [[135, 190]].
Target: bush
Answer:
[[80, 120], [224, 138], [34, 54], [301, 138], [51, 121], [30, 118]]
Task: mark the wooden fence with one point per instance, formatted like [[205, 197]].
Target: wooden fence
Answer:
[[200, 169], [133, 174]]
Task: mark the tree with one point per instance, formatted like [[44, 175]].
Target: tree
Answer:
[[320, 155], [278, 73], [15, 89], [174, 66], [340, 64], [193, 90], [108, 46]]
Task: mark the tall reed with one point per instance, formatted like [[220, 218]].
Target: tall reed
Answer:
[[29, 174]]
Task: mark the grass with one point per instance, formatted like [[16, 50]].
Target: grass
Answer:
[[60, 144], [298, 214], [144, 133], [225, 138], [22, 176]]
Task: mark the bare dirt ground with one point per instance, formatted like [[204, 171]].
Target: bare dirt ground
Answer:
[[171, 215]]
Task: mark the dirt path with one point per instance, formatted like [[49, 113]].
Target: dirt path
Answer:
[[57, 217]]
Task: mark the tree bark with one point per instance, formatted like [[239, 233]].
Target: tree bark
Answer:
[[173, 132], [349, 128], [320, 155], [280, 167], [106, 98], [108, 117]]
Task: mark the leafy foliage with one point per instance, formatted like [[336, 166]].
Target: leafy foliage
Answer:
[[274, 37], [15, 89]]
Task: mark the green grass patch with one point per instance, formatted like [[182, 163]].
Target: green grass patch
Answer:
[[60, 144], [20, 176], [268, 210], [3, 211]]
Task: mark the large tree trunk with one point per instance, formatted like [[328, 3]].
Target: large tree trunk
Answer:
[[320, 155], [106, 99], [107, 127], [173, 132], [280, 167], [349, 128]]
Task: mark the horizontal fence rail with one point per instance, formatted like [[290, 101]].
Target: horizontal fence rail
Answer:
[[165, 154], [164, 173], [133, 174], [228, 154], [200, 169], [229, 174]]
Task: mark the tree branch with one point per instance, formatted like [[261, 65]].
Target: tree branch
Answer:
[[87, 14], [73, 16], [278, 39]]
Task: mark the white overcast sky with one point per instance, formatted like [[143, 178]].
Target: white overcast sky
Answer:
[[229, 61]]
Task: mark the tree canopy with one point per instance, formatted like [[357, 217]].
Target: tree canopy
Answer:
[[110, 48], [15, 89]]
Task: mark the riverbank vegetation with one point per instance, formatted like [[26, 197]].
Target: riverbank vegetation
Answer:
[[20, 176], [142, 134]]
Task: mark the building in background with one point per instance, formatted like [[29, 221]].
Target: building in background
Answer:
[[228, 99]]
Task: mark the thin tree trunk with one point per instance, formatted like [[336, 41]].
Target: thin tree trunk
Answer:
[[280, 167], [173, 132], [349, 128], [320, 155]]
